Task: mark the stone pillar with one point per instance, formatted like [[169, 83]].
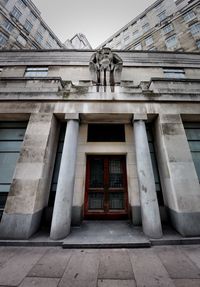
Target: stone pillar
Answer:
[[179, 180], [61, 221], [149, 205], [30, 187]]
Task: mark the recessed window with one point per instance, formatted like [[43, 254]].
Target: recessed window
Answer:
[[126, 39], [3, 39], [168, 28], [7, 25], [162, 15], [146, 27], [42, 29], [171, 42], [36, 72], [149, 41], [32, 17], [16, 13], [22, 4], [198, 44], [38, 38], [138, 47], [106, 133], [189, 16], [48, 45], [28, 26], [136, 34], [174, 73], [195, 29]]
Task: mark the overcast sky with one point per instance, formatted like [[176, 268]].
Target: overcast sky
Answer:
[[97, 19]]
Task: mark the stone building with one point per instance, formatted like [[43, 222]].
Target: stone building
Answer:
[[22, 27], [165, 25], [105, 135], [79, 42]]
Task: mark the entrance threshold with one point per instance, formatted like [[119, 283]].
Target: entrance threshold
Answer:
[[106, 234]]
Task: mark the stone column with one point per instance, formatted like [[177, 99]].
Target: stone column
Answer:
[[30, 187], [179, 179], [61, 221], [149, 205]]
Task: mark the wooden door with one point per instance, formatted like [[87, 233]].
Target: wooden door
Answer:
[[106, 194]]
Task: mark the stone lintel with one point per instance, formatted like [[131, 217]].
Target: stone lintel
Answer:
[[138, 117], [72, 116]]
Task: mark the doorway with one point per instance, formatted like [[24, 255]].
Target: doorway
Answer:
[[106, 195]]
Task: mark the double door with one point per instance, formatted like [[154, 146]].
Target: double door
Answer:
[[106, 194]]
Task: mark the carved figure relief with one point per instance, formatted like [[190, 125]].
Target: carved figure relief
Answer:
[[105, 68]]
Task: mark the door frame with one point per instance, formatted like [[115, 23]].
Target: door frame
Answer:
[[120, 214]]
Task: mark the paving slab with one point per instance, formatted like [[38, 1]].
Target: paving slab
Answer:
[[52, 264], [193, 252], [17, 267], [82, 270], [115, 264], [6, 253], [187, 282], [177, 263], [116, 283], [148, 269], [39, 282]]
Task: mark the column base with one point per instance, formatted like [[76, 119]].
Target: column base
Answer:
[[19, 226], [187, 224], [77, 217]]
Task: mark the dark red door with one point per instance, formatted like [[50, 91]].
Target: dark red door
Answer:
[[106, 194]]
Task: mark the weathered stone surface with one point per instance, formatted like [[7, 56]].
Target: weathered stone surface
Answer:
[[187, 282], [13, 271], [82, 270], [52, 264], [177, 264], [116, 283], [39, 282], [115, 264], [148, 269]]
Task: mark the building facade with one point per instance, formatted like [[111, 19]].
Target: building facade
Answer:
[[73, 146], [22, 27], [78, 42], [166, 25]]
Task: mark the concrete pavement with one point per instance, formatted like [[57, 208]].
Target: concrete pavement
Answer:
[[166, 266]]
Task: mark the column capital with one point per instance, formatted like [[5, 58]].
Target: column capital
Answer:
[[138, 117], [72, 116]]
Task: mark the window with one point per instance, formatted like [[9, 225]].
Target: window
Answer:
[[162, 15], [11, 138], [48, 45], [149, 41], [16, 13], [41, 29], [195, 28], [38, 38], [21, 40], [3, 39], [22, 4], [192, 131], [171, 42], [126, 39], [32, 17], [174, 73], [125, 31], [36, 72], [168, 28], [189, 16], [28, 26], [198, 43], [146, 27], [7, 25], [138, 47], [106, 133], [136, 34]]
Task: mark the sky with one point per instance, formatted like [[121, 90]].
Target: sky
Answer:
[[98, 20]]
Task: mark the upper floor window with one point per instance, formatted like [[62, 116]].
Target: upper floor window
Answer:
[[7, 25], [136, 34], [32, 17], [48, 45], [126, 32], [149, 41], [106, 133], [28, 25], [16, 13], [189, 16], [22, 3], [195, 28], [36, 72], [146, 27], [3, 39], [198, 43], [41, 29], [174, 73], [126, 39], [171, 42], [162, 15], [38, 38], [168, 28], [138, 47]]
